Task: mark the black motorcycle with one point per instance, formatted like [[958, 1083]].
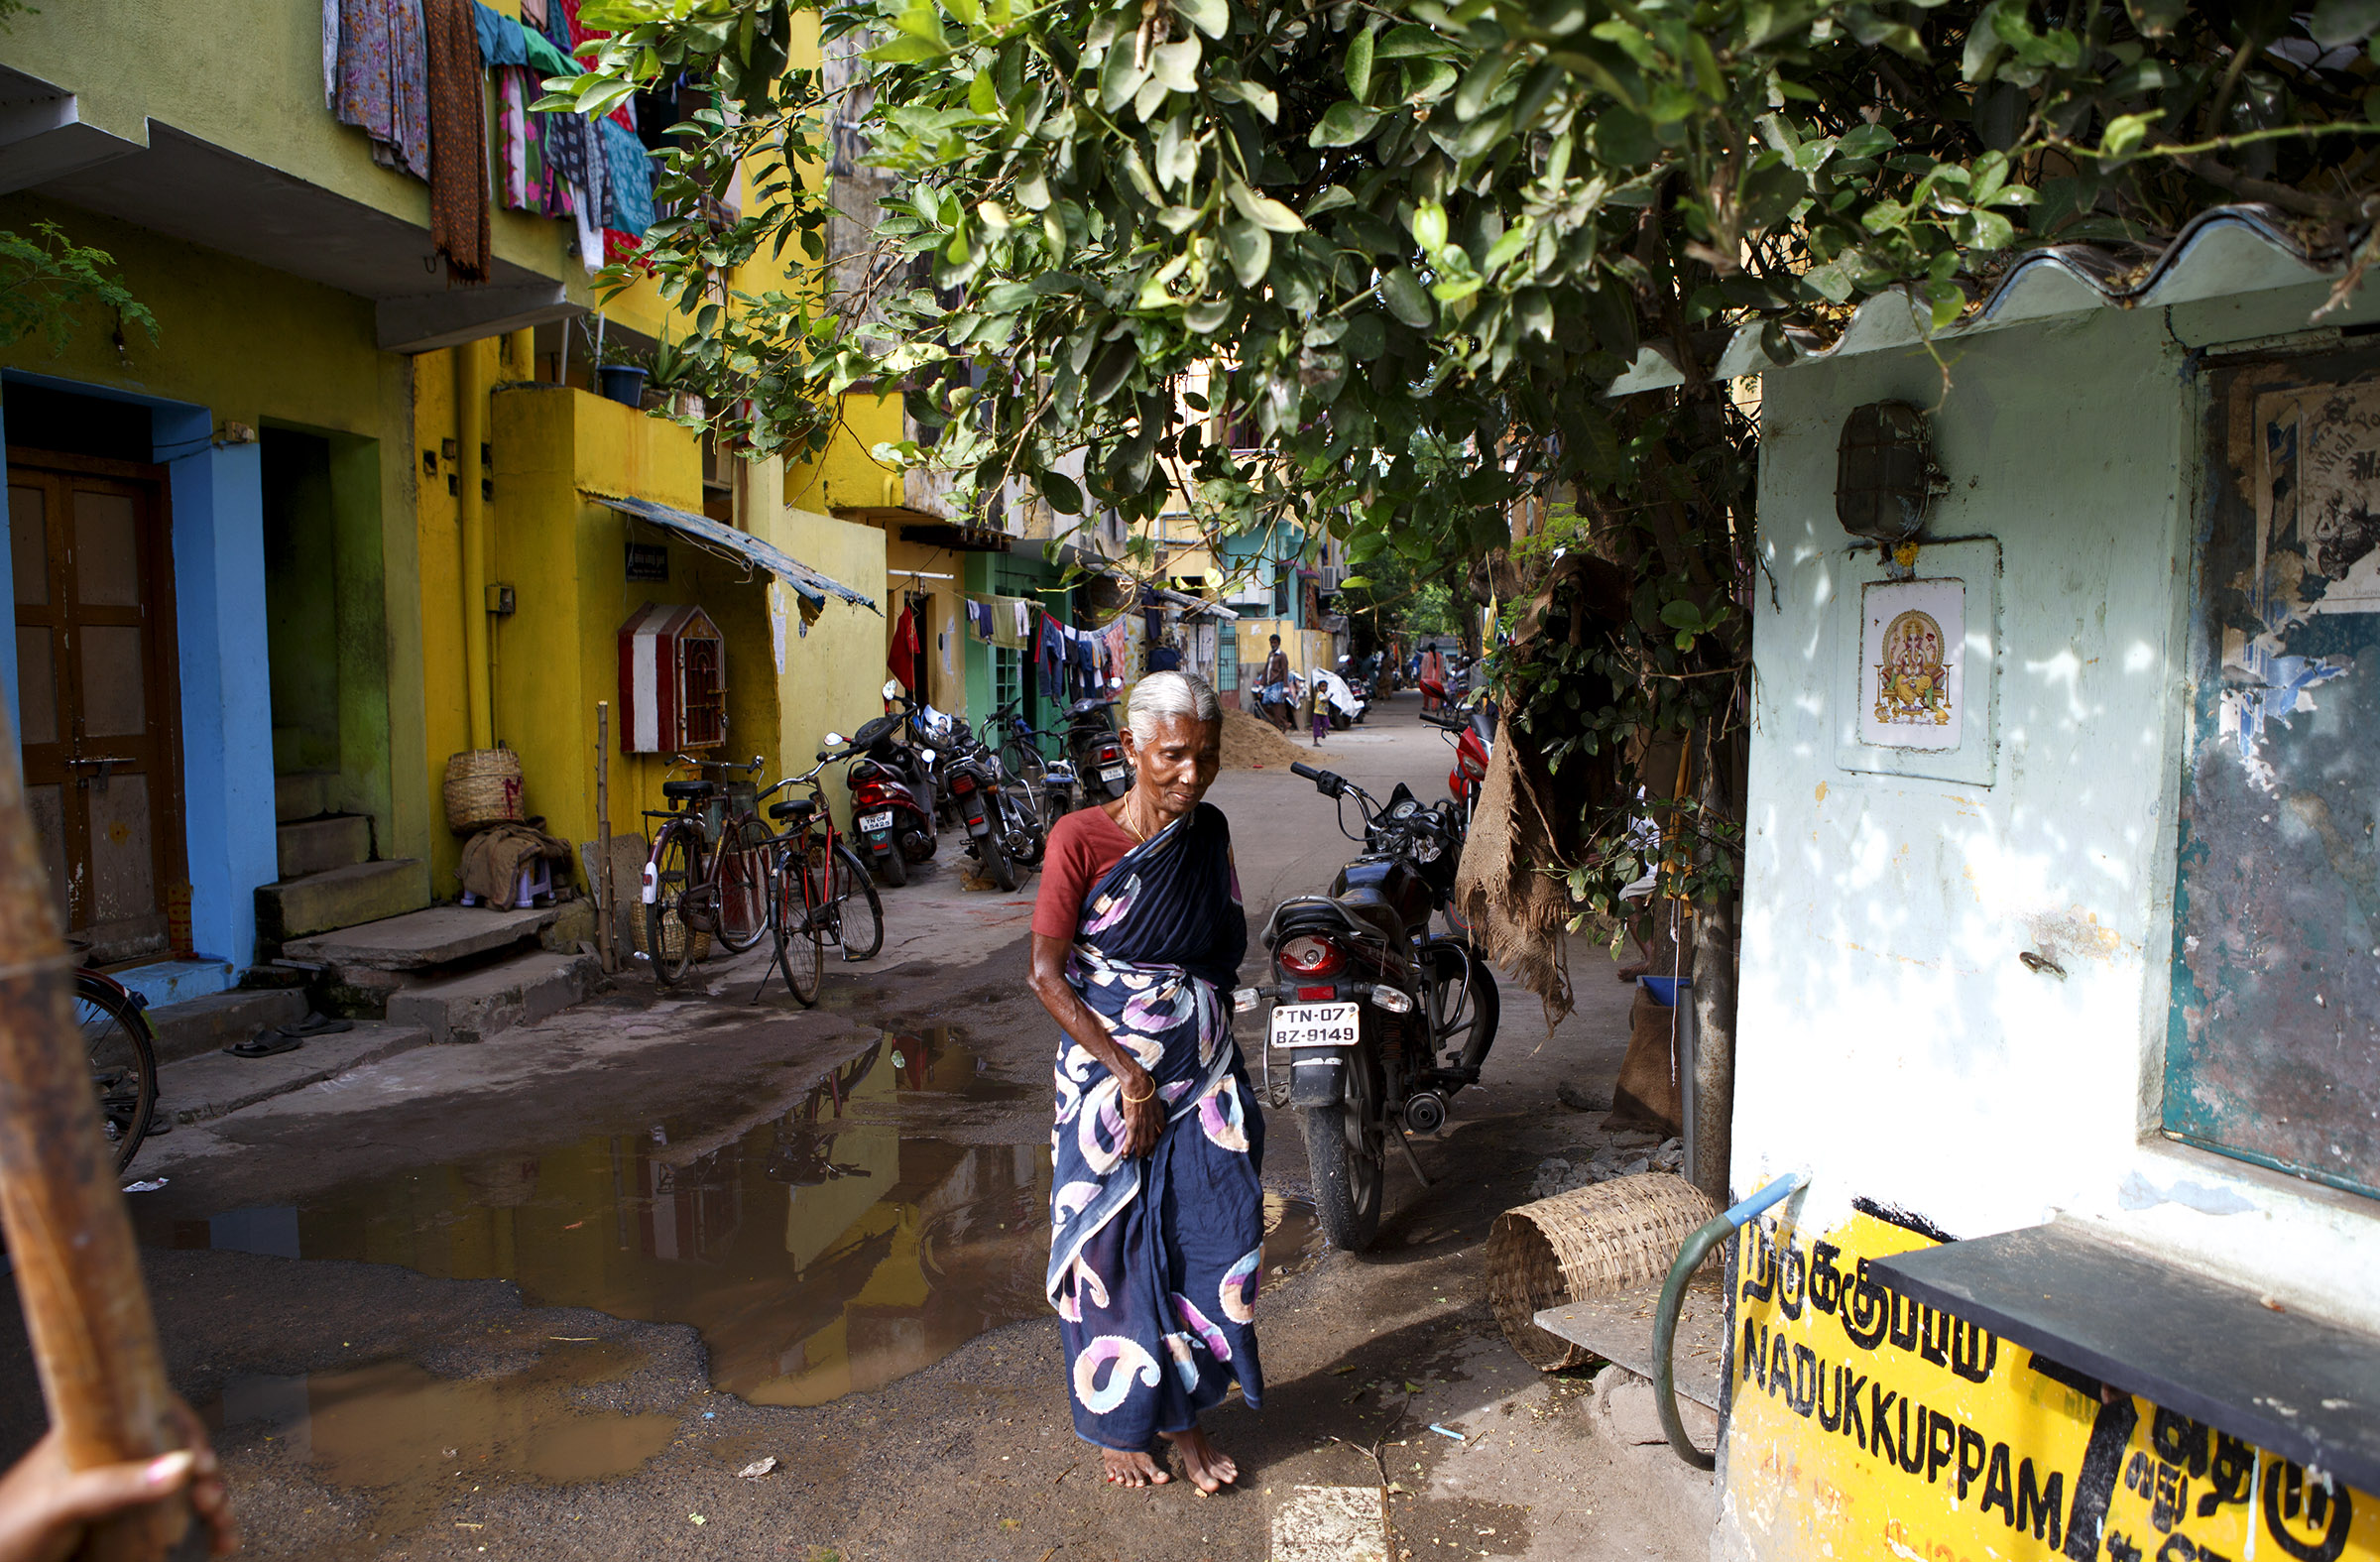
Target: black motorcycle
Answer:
[[1379, 1022], [1097, 752], [1004, 830]]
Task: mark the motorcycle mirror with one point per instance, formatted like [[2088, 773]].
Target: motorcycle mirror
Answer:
[[892, 688], [835, 740]]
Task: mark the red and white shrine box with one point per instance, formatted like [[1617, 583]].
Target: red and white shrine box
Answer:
[[672, 680]]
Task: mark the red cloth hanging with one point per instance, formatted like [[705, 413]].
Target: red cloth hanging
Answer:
[[902, 658]]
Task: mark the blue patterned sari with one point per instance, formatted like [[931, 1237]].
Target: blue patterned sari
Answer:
[[1155, 1264]]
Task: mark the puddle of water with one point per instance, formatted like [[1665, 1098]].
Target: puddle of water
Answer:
[[416, 1441], [828, 1251]]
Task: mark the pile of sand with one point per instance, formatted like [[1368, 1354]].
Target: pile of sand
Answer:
[[1251, 743]]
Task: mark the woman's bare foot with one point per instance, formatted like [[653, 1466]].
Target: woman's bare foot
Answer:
[[1133, 1469], [1211, 1469]]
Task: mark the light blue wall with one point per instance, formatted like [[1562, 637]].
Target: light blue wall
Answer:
[[226, 701]]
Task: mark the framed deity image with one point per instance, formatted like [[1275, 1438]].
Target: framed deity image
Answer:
[[1916, 688], [1912, 645]]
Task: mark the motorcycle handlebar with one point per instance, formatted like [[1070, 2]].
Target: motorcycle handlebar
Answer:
[[1301, 767]]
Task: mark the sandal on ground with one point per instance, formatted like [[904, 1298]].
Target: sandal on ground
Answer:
[[266, 1044], [317, 1023]]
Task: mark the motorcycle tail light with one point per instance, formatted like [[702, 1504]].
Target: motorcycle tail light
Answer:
[[962, 783], [1316, 994], [1311, 956]]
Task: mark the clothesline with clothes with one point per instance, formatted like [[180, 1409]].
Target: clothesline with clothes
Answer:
[[398, 70], [1085, 663]]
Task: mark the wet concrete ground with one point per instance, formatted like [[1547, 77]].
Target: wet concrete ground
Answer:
[[547, 1297]]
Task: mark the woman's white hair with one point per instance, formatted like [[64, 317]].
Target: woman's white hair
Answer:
[[1169, 696]]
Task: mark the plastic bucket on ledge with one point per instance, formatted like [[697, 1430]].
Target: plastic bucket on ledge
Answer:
[[623, 383]]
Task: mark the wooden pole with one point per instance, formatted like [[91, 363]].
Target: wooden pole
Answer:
[[603, 837], [77, 1271]]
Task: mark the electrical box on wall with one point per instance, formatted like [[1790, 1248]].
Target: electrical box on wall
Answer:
[[672, 680]]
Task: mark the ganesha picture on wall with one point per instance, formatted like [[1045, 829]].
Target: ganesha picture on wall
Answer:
[[1912, 684]]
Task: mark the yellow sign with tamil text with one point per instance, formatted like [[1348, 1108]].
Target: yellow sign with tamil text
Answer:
[[1869, 1425]]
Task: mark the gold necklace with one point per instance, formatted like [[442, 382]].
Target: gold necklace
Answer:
[[1139, 835]]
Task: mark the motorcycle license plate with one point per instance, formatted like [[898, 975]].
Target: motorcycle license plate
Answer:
[[876, 821], [1114, 772], [1315, 1024]]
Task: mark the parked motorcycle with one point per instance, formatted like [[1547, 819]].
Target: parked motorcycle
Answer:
[[1346, 704], [891, 796], [1379, 1022], [1002, 830], [1049, 784], [1472, 730], [1097, 752]]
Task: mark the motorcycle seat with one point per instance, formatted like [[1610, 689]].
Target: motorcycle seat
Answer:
[[687, 790], [792, 809]]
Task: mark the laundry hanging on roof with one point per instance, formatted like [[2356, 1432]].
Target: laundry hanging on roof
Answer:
[[376, 77], [458, 142], [631, 183]]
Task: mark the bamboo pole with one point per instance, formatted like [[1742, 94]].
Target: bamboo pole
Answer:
[[603, 837], [78, 1273]]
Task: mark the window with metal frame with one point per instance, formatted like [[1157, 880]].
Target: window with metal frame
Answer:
[[1227, 660], [1007, 675]]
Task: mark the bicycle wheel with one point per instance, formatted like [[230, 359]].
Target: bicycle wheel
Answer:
[[858, 912], [742, 871], [799, 924], [122, 1049], [669, 942]]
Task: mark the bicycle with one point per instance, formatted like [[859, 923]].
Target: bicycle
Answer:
[[819, 889], [692, 891], [1051, 782], [121, 1046]]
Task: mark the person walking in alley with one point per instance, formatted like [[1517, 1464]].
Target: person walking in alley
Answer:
[[1157, 1215], [1433, 675], [1272, 688]]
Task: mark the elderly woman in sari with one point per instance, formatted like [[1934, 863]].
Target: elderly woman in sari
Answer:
[[1156, 1209]]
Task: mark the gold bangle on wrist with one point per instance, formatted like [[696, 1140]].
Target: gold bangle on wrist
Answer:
[[1133, 1100]]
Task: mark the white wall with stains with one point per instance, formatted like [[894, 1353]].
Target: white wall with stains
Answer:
[[1891, 1042]]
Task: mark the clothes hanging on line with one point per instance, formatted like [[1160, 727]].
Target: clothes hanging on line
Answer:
[[1050, 653], [375, 76], [901, 658], [458, 142]]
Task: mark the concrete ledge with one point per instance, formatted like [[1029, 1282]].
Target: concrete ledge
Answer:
[[217, 1084], [338, 897], [1619, 1329], [480, 1003], [440, 935], [200, 1026], [312, 846]]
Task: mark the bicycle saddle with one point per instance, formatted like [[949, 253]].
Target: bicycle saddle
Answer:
[[687, 790], [792, 809]]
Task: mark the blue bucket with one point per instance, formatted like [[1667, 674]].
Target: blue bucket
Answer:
[[623, 383], [1665, 988]]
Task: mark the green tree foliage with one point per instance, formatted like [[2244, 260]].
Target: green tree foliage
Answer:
[[1406, 226], [47, 278]]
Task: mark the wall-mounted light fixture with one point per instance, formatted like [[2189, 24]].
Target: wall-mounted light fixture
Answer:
[[1884, 472]]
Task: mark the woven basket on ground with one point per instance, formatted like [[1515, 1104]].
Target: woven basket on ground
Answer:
[[673, 933], [483, 788], [1589, 1242]]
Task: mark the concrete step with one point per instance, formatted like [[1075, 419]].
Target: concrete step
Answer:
[[312, 846], [301, 795], [200, 1026], [479, 1004], [340, 897], [440, 935], [216, 1084]]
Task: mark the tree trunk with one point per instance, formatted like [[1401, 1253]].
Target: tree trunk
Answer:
[[1714, 973]]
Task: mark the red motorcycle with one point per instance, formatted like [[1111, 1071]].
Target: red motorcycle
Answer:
[[1473, 729], [893, 824]]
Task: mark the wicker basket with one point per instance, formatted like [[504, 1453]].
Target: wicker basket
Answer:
[[673, 933], [483, 788], [1589, 1242]]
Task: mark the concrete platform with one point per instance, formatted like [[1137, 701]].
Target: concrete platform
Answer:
[[312, 846], [440, 935], [480, 1003], [200, 1026], [216, 1084], [1619, 1329], [339, 897], [164, 982]]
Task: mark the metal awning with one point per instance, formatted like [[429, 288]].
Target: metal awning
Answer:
[[807, 585]]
